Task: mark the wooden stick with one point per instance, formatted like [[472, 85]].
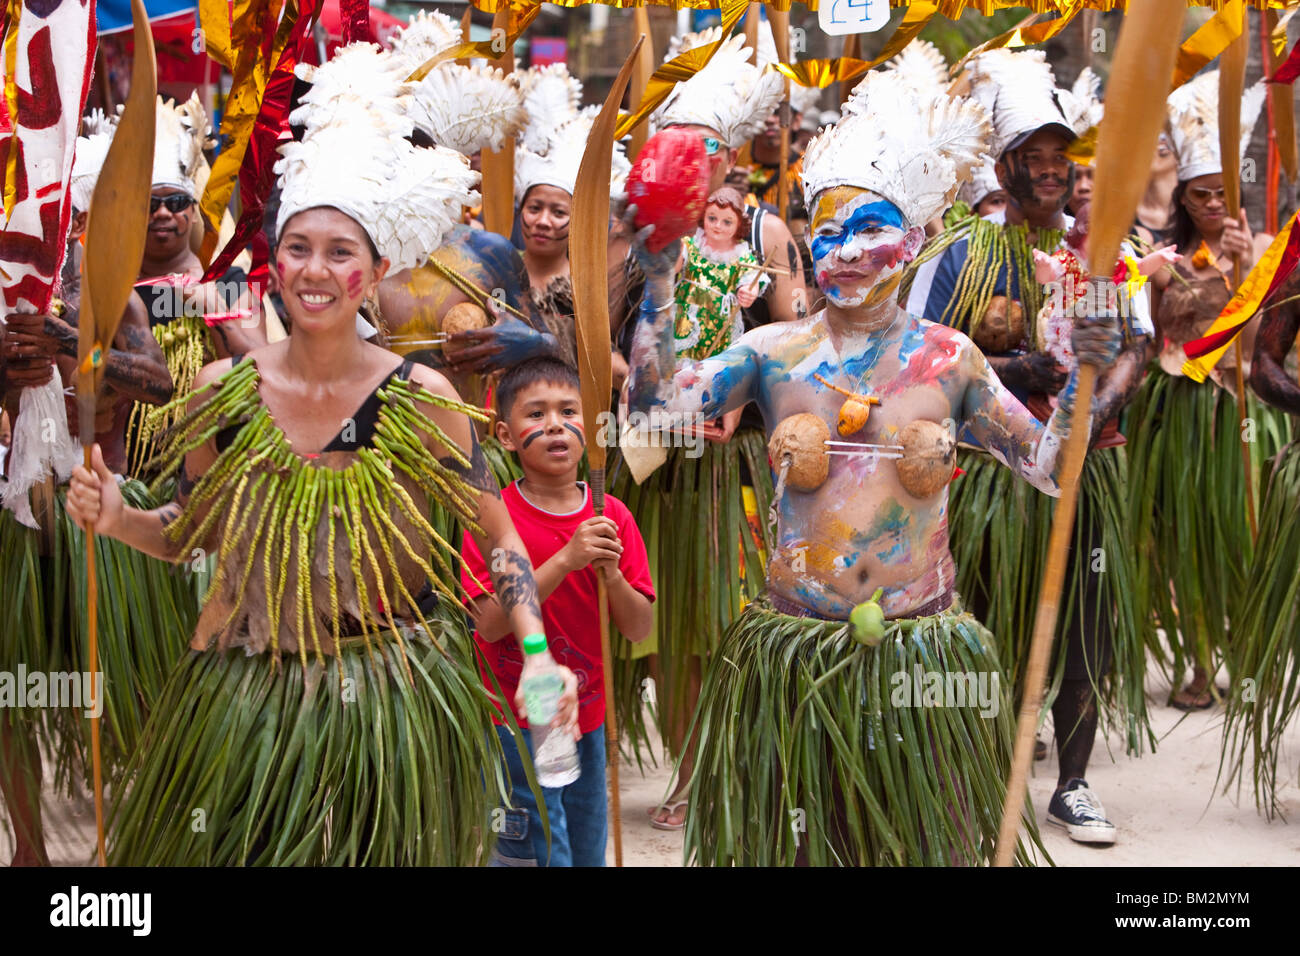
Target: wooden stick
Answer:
[[1144, 59], [780, 23], [92, 612]]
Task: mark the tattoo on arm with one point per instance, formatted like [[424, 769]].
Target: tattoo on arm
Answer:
[[478, 474], [168, 513], [515, 585]]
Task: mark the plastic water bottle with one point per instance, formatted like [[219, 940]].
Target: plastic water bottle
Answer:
[[555, 754]]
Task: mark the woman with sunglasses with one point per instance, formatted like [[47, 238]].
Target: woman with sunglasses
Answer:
[[1185, 453]]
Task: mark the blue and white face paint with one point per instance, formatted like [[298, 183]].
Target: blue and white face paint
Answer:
[[860, 243]]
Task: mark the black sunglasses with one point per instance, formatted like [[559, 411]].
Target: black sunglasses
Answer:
[[177, 202]]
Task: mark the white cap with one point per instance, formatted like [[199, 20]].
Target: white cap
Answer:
[[558, 165], [1193, 124], [909, 147], [1020, 94]]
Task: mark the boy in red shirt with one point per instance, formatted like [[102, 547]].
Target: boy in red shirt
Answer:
[[539, 407]]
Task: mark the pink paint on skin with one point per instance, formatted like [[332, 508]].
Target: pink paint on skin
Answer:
[[354, 283]]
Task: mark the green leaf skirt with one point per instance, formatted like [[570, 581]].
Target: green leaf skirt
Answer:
[[998, 528], [1264, 652], [257, 761], [816, 749], [1188, 512], [147, 612]]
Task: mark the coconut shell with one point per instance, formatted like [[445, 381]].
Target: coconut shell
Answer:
[[802, 438], [462, 317], [929, 458], [1002, 328]]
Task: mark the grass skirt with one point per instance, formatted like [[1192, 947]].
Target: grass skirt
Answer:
[[1189, 521], [999, 525], [344, 763], [810, 740], [147, 611], [704, 561], [1264, 654]]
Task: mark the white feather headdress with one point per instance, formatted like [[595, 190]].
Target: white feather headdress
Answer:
[[180, 134], [730, 96], [911, 148], [1193, 124], [356, 156], [1019, 91], [558, 165]]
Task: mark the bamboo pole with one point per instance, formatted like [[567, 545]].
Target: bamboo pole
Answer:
[[645, 67], [1232, 83], [1144, 60], [780, 21]]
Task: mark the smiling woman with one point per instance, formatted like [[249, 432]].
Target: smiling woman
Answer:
[[315, 470]]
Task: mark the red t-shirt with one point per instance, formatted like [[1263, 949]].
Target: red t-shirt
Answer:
[[570, 614]]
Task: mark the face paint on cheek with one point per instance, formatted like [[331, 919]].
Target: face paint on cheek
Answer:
[[577, 431], [530, 435], [354, 282]]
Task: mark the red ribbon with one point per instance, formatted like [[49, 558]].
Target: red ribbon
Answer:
[[1288, 71], [354, 18], [256, 172]]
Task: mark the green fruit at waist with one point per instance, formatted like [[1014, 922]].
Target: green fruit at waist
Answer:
[[868, 622]]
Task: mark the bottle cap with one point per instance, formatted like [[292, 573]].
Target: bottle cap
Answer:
[[534, 643]]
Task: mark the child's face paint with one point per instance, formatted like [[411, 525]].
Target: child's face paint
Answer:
[[858, 240], [545, 427]]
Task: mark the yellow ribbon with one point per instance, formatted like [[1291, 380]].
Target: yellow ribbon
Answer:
[[519, 22], [11, 100], [1209, 41], [1244, 303]]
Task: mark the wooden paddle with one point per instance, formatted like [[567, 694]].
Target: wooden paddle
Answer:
[[498, 166], [1232, 83], [1144, 61], [115, 234], [588, 262]]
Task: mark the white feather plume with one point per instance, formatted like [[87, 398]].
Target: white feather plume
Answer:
[[551, 97], [468, 108], [921, 63], [181, 132], [427, 35], [558, 166], [1019, 91], [730, 96]]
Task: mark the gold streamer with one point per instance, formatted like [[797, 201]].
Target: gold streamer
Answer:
[[214, 20], [1211, 39], [822, 73]]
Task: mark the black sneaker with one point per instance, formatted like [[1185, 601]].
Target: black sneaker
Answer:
[[1078, 810]]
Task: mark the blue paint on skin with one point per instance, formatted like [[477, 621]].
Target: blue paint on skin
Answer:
[[913, 340], [873, 215]]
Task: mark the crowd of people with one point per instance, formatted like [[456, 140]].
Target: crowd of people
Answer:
[[331, 510]]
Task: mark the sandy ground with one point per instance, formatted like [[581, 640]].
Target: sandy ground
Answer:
[[1164, 805]]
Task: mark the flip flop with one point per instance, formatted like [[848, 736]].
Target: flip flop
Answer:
[[671, 808]]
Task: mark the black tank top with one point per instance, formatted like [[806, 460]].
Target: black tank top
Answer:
[[363, 421]]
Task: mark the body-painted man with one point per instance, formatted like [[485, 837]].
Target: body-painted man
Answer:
[[811, 745], [982, 281]]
